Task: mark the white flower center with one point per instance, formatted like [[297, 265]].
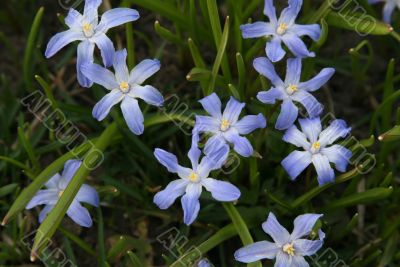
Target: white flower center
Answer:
[[124, 87], [225, 124], [281, 28], [288, 249], [291, 89], [193, 177], [87, 29], [315, 147]]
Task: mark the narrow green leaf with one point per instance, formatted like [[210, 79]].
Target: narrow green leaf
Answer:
[[82, 244], [391, 135], [234, 91], [167, 34], [134, 259], [29, 150], [100, 238], [241, 74], [390, 250], [7, 189]]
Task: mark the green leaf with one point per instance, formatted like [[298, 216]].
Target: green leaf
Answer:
[[79, 242], [134, 259], [391, 135], [28, 148], [241, 74], [7, 189], [167, 34]]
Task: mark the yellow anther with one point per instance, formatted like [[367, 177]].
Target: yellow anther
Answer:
[[60, 193], [193, 177], [316, 145], [288, 249], [87, 27], [225, 124], [281, 28], [291, 89], [124, 86]]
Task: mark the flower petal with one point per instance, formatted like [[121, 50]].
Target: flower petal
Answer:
[[270, 96], [337, 129], [278, 233], [283, 259], [60, 40], [274, 49], [265, 68], [269, 11], [295, 137], [288, 115], [309, 102], [44, 212], [144, 70], [221, 190], [194, 151], [338, 155], [296, 162], [73, 19], [299, 261], [240, 144], [311, 30], [99, 75], [388, 9], [249, 123], [323, 168], [70, 168], [290, 13], [233, 110], [120, 67], [48, 196], [165, 198], [79, 214], [85, 56], [149, 94], [133, 115], [53, 181], [190, 203], [212, 104], [106, 47], [311, 128], [167, 159], [117, 16], [214, 143], [256, 29], [90, 10], [304, 224], [213, 161], [293, 71], [296, 46], [304, 247], [88, 195], [103, 107], [257, 251], [207, 124], [319, 80]]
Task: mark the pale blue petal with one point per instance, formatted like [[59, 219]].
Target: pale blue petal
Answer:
[[257, 251], [290, 13], [214, 143], [207, 124], [165, 198], [309, 102], [304, 224], [190, 203], [265, 68], [337, 129], [299, 261], [323, 168], [100, 75], [53, 181], [338, 155], [167, 159], [221, 190], [70, 168], [79, 214], [296, 162], [287, 116], [283, 260], [293, 71], [90, 10], [44, 212], [249, 123], [74, 19], [149, 94], [213, 161], [311, 30], [60, 40], [117, 16], [269, 11], [388, 9], [144, 70], [317, 81], [120, 67], [133, 115], [106, 47], [278, 233], [256, 29], [194, 151], [233, 110], [240, 144], [311, 128], [296, 137], [212, 104], [88, 195], [49, 196], [304, 247], [204, 263], [85, 56], [270, 96], [103, 107], [296, 46], [375, 1], [274, 49]]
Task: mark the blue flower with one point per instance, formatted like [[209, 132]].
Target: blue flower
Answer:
[[388, 8], [225, 127], [125, 87], [87, 29], [55, 188], [192, 181], [318, 149], [287, 249], [291, 90], [283, 30]]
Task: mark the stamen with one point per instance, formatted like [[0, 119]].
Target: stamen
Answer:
[[288, 249], [225, 124], [281, 28], [124, 87], [60, 193], [316, 145], [291, 89], [87, 29], [193, 177]]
